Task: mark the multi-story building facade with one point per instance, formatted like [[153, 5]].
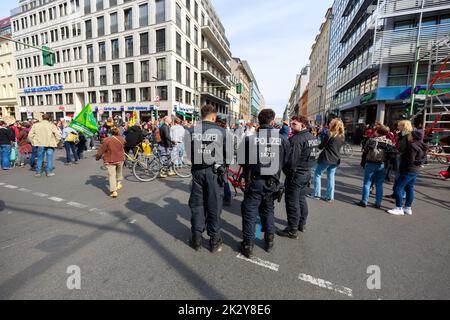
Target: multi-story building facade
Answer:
[[301, 84], [319, 70], [8, 92], [373, 49], [240, 72], [121, 56], [304, 103]]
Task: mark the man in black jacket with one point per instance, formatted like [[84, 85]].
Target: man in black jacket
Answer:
[[262, 156], [133, 137], [303, 155]]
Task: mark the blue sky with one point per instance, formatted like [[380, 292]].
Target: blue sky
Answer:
[[274, 36]]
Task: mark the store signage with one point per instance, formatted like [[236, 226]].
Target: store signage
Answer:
[[42, 89], [183, 108], [140, 108], [123, 108], [368, 97]]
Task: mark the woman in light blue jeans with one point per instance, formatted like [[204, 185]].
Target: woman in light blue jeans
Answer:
[[329, 160]]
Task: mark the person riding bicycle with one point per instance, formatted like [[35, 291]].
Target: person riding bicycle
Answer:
[[166, 145], [133, 138]]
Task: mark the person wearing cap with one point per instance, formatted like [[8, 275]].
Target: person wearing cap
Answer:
[[7, 136], [222, 122], [410, 163]]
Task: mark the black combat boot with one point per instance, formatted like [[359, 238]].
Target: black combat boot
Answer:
[[196, 242], [287, 233], [247, 250], [216, 245], [270, 241]]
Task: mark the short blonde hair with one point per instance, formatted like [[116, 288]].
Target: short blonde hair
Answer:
[[337, 129], [407, 126]]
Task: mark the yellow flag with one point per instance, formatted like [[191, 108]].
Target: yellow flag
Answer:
[[133, 119]]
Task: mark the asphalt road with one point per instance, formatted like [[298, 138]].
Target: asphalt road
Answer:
[[136, 247]]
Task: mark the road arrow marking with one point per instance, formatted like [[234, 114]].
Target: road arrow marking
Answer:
[[325, 284], [259, 262]]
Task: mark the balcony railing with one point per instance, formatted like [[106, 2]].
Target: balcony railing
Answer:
[[397, 46], [357, 72]]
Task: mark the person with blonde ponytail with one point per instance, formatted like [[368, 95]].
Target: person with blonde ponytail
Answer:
[[329, 160]]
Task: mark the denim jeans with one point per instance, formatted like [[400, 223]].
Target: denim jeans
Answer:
[[331, 171], [227, 190], [377, 172], [48, 153], [6, 156], [34, 151], [70, 146], [405, 183]]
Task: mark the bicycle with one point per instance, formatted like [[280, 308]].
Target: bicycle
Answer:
[[437, 154], [236, 179], [157, 163]]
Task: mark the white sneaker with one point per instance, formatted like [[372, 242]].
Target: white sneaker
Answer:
[[397, 212], [408, 211]]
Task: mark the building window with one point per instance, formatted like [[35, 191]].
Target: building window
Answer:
[[188, 77], [161, 40], [115, 49], [103, 81], [178, 44], [162, 93], [178, 16], [101, 51], [69, 98], [179, 95], [160, 11], [188, 52], [131, 95], [128, 15], [114, 24], [104, 96], [129, 46], [112, 3], [99, 5], [130, 72], [101, 26], [161, 69], [87, 8], [145, 71], [117, 96], [88, 25], [116, 73], [145, 94], [91, 78], [179, 71], [188, 27], [188, 99], [92, 96], [143, 15], [144, 43], [90, 53], [59, 99]]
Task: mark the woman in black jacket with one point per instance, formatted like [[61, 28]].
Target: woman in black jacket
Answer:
[[329, 160], [7, 136]]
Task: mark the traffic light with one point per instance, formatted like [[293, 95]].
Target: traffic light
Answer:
[[239, 88], [48, 56], [155, 114], [196, 116]]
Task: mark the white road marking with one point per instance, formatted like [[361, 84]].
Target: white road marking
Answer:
[[132, 222], [76, 205], [9, 212], [24, 190], [11, 187], [39, 194], [325, 284], [2, 183], [94, 210], [259, 262], [13, 244], [56, 199]]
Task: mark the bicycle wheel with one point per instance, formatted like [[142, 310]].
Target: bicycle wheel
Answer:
[[146, 170], [183, 168]]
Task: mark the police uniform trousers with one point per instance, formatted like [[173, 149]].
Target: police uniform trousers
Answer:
[[206, 202], [258, 198], [296, 206]]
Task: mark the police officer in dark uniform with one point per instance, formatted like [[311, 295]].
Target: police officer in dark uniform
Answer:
[[303, 155], [264, 156], [206, 145]]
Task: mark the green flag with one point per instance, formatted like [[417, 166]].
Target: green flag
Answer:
[[85, 122]]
